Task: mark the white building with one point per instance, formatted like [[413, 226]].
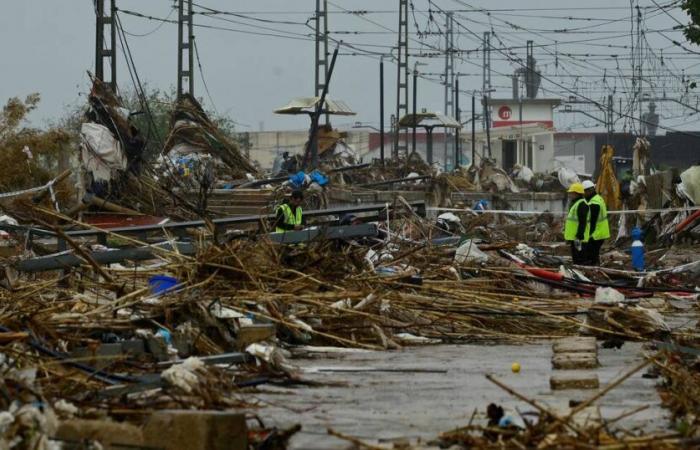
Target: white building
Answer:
[[522, 132]]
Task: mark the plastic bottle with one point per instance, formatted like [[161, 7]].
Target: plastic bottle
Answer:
[[637, 250]]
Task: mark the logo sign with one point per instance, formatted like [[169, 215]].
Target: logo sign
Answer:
[[505, 113]]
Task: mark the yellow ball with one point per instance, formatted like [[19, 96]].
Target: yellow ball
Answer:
[[515, 367]]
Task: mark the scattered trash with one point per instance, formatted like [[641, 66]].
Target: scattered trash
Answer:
[[608, 296], [468, 251]]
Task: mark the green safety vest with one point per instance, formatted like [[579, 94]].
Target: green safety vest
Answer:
[[571, 225], [602, 227], [289, 217]]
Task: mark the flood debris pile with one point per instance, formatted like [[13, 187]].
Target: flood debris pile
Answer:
[[199, 151], [680, 388], [392, 173], [203, 314]]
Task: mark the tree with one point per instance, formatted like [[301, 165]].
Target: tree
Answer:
[[692, 30], [29, 157]]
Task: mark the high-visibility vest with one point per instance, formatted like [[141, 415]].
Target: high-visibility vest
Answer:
[[602, 227], [571, 225], [289, 217]]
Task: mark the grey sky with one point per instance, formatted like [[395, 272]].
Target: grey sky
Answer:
[[48, 46]]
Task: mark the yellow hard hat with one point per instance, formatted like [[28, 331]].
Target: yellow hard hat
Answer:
[[577, 188]]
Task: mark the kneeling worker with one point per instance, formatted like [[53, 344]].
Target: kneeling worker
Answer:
[[599, 226], [289, 214], [576, 226]]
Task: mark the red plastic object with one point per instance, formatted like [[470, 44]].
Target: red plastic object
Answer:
[[692, 218]]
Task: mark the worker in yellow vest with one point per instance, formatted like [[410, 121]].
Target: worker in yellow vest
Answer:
[[576, 226], [598, 223], [289, 214]]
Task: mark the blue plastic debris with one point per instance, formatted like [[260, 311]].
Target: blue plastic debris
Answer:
[[165, 334], [298, 179], [162, 283], [319, 178]]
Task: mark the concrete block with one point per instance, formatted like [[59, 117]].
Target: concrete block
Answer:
[[164, 430], [575, 345], [105, 354], [251, 334], [99, 357], [569, 361], [157, 346], [134, 346], [574, 381], [183, 343], [196, 430], [111, 435]]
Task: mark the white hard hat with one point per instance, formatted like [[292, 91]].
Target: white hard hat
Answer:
[[588, 184]]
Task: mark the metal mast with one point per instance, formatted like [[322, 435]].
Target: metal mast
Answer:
[[321, 46], [640, 71], [321, 66], [486, 76], [185, 44], [402, 79], [103, 52], [449, 76], [449, 65]]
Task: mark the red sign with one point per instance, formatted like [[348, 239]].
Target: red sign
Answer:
[[504, 112]]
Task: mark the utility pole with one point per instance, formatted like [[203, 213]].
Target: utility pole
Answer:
[[185, 43], [321, 48], [488, 124], [312, 151], [473, 130], [458, 152], [486, 76], [101, 51], [640, 75], [415, 108], [402, 79], [610, 120], [381, 108], [530, 85], [449, 72], [449, 64]]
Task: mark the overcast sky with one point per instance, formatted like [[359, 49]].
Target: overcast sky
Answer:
[[48, 45]]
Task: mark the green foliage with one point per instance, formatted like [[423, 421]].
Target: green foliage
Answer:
[[692, 31], [14, 113], [29, 156]]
